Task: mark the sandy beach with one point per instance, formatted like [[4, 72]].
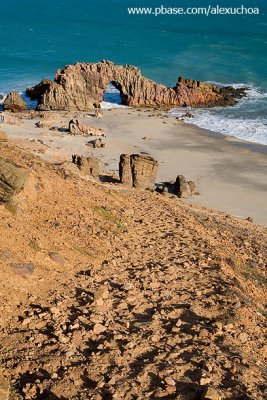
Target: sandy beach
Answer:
[[230, 174]]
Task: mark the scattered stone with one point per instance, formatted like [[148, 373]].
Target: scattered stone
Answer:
[[183, 188], [101, 295], [204, 381], [243, 337], [170, 389], [12, 180], [170, 381], [58, 258], [54, 311], [99, 328], [23, 269], [63, 339], [87, 165], [188, 115], [97, 143], [14, 103], [74, 327], [43, 124], [210, 394], [26, 321], [6, 255]]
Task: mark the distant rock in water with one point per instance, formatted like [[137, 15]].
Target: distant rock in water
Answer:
[[82, 86], [14, 103]]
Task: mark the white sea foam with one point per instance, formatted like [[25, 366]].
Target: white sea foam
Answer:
[[246, 121], [105, 105], [112, 98]]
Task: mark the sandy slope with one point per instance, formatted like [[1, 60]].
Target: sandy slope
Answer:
[[146, 298]]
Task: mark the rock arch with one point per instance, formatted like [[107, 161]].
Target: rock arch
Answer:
[[81, 87], [111, 96]]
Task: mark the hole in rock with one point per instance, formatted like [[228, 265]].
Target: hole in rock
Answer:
[[112, 95]]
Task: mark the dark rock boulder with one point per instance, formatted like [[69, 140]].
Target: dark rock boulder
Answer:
[[14, 103]]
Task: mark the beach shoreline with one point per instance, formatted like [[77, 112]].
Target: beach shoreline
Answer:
[[230, 174]]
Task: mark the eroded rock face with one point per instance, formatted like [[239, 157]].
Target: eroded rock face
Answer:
[[82, 86], [14, 103], [87, 165], [125, 170], [12, 180], [184, 188], [138, 171]]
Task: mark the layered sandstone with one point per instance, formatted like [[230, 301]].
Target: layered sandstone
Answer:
[[138, 171], [81, 87], [87, 165]]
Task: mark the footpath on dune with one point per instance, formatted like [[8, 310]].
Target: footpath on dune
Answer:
[[113, 293]]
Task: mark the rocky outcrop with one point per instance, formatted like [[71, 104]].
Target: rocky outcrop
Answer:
[[77, 128], [138, 171], [81, 87], [184, 188], [87, 165], [14, 103], [12, 180], [125, 170]]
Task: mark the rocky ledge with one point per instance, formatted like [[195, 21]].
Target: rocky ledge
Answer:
[[81, 87]]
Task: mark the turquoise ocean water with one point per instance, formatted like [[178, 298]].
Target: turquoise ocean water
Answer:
[[38, 37]]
